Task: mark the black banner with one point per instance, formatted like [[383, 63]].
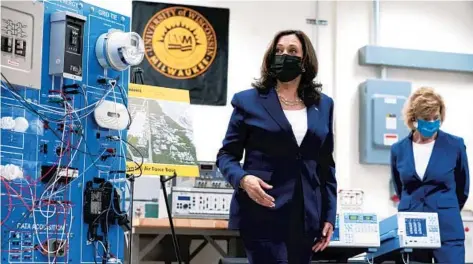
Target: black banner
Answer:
[[186, 47]]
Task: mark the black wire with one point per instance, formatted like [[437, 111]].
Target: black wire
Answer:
[[86, 103], [87, 152], [125, 102], [140, 154], [130, 232], [132, 178], [138, 166], [105, 255], [45, 118], [23, 102], [28, 106]]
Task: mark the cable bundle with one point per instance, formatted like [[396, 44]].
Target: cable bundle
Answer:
[[44, 192]]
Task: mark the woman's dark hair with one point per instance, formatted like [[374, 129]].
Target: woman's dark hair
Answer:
[[308, 90]]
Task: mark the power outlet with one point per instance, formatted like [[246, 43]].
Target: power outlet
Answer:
[[468, 225], [61, 175], [68, 173]]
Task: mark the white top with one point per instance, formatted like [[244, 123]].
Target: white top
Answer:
[[422, 153], [298, 121]]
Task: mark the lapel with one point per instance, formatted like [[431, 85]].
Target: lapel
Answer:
[[270, 102], [272, 105], [312, 121], [410, 156], [434, 157]]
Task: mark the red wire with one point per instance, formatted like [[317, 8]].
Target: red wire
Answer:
[[9, 202], [31, 183]]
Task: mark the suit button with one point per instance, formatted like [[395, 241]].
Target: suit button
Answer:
[[422, 200], [298, 156]]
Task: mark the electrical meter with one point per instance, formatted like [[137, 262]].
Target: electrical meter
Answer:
[[119, 50], [66, 50]]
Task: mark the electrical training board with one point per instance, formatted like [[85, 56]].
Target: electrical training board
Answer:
[[63, 131]]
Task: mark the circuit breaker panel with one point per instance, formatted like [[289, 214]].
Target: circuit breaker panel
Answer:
[[22, 44], [62, 167], [381, 122]]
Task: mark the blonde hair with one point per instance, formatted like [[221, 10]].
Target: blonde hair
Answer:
[[423, 103]]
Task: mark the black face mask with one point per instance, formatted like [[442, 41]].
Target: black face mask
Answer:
[[286, 67]]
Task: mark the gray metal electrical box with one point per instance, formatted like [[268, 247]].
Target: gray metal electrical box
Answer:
[[22, 42], [381, 121], [67, 47]]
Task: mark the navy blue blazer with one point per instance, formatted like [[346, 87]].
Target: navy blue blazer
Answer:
[[444, 188], [259, 128]]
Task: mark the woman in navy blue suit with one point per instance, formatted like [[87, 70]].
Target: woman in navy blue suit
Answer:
[[284, 204], [430, 172]]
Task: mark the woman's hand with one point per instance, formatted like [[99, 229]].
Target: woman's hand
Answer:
[[255, 187], [323, 242]]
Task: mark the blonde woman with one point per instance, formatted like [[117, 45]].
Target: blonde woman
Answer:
[[430, 174]]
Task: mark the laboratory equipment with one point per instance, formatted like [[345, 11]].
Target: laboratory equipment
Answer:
[[407, 231], [350, 200], [59, 168], [356, 229], [354, 233], [201, 202], [210, 177]]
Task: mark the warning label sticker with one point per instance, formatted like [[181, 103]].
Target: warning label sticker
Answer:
[[390, 139]]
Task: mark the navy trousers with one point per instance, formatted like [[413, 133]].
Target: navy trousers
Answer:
[[292, 245], [451, 252], [278, 251]]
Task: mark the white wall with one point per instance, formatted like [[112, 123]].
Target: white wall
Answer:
[[441, 26]]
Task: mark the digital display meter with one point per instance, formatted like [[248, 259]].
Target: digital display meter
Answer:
[[407, 231], [355, 229], [416, 227]]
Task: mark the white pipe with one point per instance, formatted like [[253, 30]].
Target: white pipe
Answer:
[[343, 175], [317, 16], [375, 37], [376, 30], [376, 21], [315, 35]]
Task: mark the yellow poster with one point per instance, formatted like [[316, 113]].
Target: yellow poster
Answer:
[[161, 134]]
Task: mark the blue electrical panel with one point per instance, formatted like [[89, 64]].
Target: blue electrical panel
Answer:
[[62, 175], [381, 121]]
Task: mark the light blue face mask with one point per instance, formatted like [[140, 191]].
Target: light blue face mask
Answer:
[[428, 128]]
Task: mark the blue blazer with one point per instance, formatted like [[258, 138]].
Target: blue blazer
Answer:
[[259, 128], [444, 188]]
